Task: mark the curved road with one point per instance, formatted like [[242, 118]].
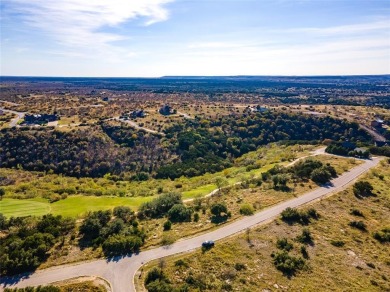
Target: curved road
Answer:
[[120, 272], [14, 121], [138, 127]]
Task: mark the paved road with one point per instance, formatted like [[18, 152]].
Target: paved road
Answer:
[[374, 134], [14, 121], [120, 272]]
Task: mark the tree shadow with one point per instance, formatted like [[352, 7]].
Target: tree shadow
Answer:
[[365, 195], [219, 219], [327, 185], [283, 189], [12, 280], [115, 257]]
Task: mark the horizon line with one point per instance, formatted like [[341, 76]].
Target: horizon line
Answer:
[[193, 76]]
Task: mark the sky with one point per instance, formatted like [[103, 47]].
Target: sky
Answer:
[[152, 38]]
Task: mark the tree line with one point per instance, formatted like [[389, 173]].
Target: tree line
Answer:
[[191, 148]]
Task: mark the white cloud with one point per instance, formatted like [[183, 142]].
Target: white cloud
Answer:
[[84, 23], [360, 28], [214, 45]]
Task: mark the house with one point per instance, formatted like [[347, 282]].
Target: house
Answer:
[[137, 114], [259, 109], [40, 118], [166, 110], [382, 143], [378, 123]]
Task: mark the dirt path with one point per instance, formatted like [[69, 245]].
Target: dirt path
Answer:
[[138, 127]]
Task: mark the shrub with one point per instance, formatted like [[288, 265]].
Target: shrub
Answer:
[[357, 212], [359, 225], [337, 243], [313, 213], [239, 266], [153, 275], [320, 175], [283, 244], [371, 265], [247, 209], [167, 239], [196, 217], [304, 252], [291, 215], [179, 213], [218, 208], [167, 225], [305, 237], [181, 263], [120, 244], [383, 235], [362, 189], [286, 263], [124, 213], [159, 286], [159, 206]]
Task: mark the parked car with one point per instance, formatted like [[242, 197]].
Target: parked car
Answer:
[[208, 244]]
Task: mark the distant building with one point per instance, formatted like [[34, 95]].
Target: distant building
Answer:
[[259, 109], [138, 114], [40, 118], [166, 110], [1, 112], [378, 123]]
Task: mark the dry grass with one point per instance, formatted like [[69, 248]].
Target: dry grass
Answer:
[[362, 264]]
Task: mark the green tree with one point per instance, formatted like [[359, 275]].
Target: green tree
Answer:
[[2, 193], [179, 213], [218, 208], [320, 175], [124, 213]]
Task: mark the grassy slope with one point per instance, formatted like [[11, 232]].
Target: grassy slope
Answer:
[[33, 185], [20, 208], [73, 206], [330, 268]]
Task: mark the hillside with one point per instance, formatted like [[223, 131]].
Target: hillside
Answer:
[[339, 256]]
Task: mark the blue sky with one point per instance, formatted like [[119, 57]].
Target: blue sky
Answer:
[[200, 37]]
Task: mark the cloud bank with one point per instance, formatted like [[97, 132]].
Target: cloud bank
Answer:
[[86, 23]]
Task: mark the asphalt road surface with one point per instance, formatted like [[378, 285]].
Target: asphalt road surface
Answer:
[[120, 272], [14, 121]]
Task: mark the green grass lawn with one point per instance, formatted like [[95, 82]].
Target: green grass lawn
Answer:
[[20, 208], [73, 206], [199, 192]]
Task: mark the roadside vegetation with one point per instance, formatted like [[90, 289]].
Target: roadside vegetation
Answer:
[[284, 255], [71, 196], [164, 218]]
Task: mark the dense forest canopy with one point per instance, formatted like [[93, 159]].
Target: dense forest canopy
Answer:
[[190, 148]]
